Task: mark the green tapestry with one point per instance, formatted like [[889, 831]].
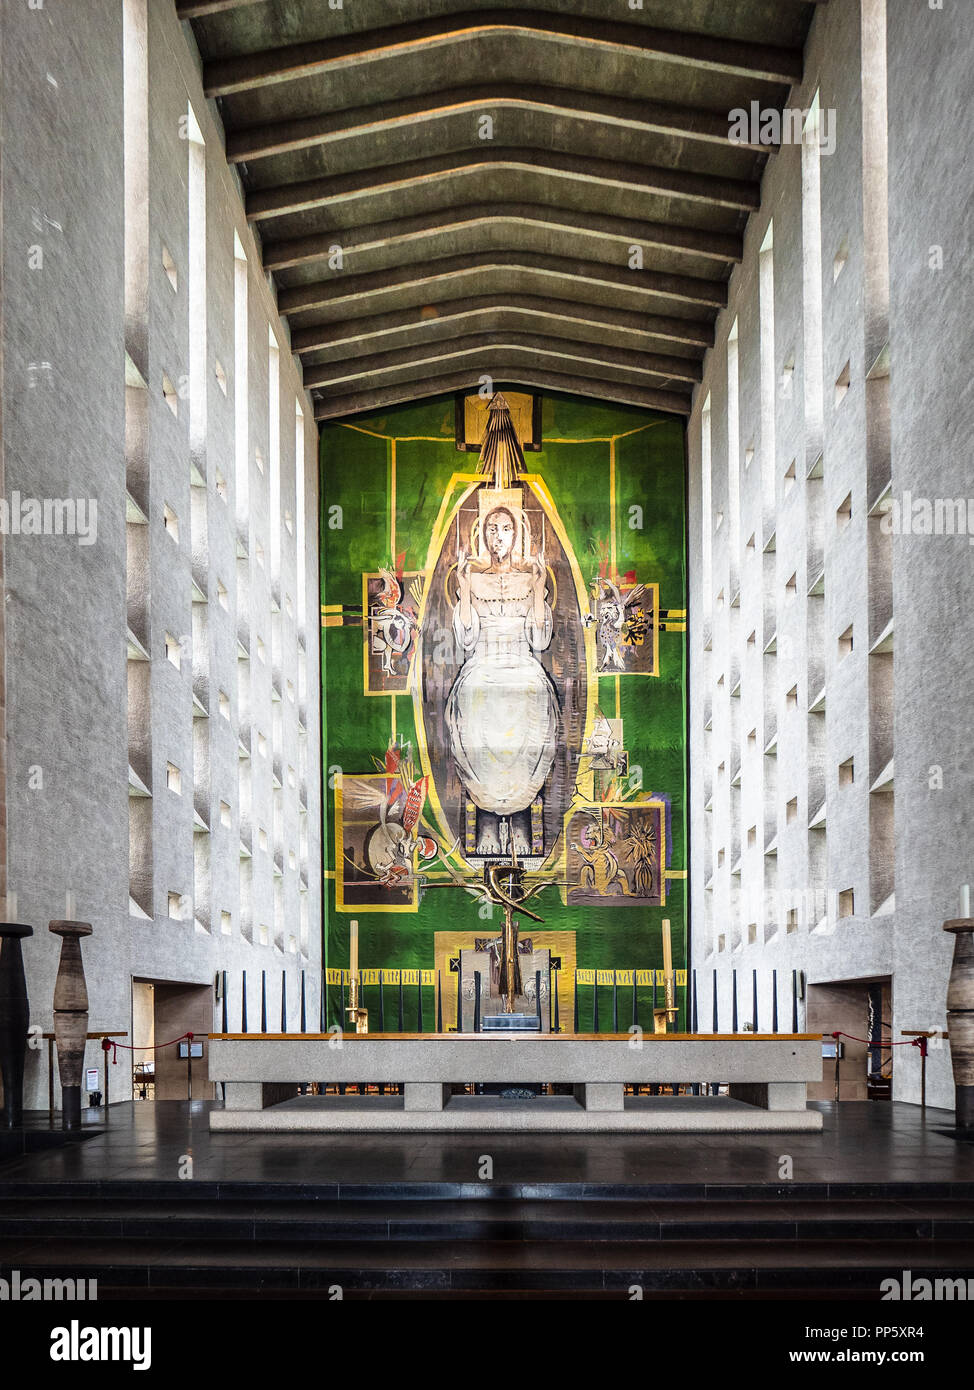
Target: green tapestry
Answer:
[[504, 674]]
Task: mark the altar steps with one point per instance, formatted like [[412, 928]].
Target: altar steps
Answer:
[[420, 1221], [409, 1241], [140, 1268]]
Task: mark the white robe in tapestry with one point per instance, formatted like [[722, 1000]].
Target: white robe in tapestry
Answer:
[[502, 712]]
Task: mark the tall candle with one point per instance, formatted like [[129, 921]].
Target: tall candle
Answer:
[[353, 949], [965, 900], [667, 949], [70, 906], [11, 907]]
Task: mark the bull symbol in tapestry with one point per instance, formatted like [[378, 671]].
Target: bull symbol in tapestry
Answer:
[[504, 698]]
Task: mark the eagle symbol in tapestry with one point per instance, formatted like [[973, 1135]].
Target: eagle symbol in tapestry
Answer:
[[623, 618]]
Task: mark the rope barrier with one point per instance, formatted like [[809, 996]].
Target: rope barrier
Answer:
[[108, 1045], [921, 1043]]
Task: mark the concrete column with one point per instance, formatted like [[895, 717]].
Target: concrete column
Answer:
[[423, 1095], [600, 1095], [243, 1095], [258, 1095], [771, 1095]]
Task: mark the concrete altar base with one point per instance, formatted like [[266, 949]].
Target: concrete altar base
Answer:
[[766, 1075]]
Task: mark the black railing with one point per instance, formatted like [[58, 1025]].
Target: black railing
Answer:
[[588, 1015]]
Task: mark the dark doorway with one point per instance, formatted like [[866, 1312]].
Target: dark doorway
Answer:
[[862, 1009], [163, 1011]]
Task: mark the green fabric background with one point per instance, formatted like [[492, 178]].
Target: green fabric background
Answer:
[[650, 473]]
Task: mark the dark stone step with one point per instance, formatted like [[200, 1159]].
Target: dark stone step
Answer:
[[101, 1219], [200, 1190], [676, 1267]]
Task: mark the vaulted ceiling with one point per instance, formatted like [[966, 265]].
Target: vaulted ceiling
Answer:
[[504, 247]]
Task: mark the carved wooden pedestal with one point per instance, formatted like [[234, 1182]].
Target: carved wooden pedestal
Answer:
[[70, 1018]]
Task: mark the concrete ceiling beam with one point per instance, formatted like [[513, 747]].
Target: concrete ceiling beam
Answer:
[[605, 389], [707, 53], [609, 175], [690, 333], [572, 351], [506, 363], [429, 334], [683, 289], [690, 241], [199, 9], [252, 143]]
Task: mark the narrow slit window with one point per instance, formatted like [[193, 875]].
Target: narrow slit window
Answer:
[[169, 394], [169, 266]]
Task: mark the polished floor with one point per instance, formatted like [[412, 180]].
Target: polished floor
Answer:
[[155, 1206], [864, 1149]]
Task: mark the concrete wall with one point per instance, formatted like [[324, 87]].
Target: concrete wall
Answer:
[[931, 426], [794, 731], [88, 337]]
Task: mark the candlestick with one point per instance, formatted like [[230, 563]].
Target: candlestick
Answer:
[[965, 900], [358, 1016]]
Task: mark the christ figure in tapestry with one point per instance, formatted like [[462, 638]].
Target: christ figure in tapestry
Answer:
[[502, 712]]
